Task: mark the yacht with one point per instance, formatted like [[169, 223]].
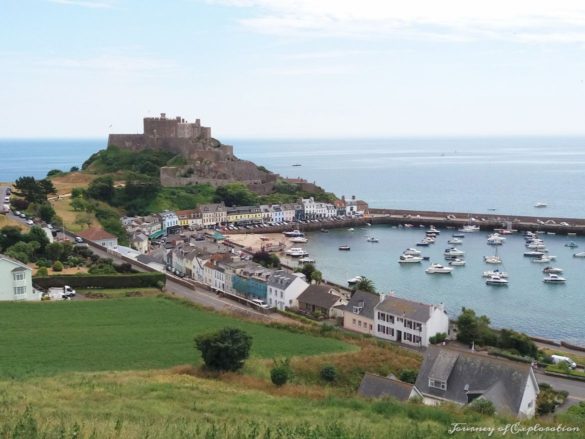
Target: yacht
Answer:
[[409, 259], [411, 252], [355, 280], [453, 252], [554, 279], [494, 260], [296, 252], [299, 239], [495, 272], [536, 254], [324, 231], [306, 260], [351, 229], [469, 228], [552, 270], [542, 259], [497, 281], [372, 239], [495, 239], [423, 243], [457, 262], [438, 269], [433, 231], [458, 235], [294, 233], [455, 241], [579, 255], [345, 248], [540, 204], [571, 244]]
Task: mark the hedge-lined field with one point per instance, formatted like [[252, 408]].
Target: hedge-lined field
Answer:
[[130, 280], [124, 334]]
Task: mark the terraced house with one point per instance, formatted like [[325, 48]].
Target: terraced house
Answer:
[[213, 214], [244, 215], [190, 218]]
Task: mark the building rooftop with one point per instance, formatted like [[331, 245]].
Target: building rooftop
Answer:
[[417, 311], [322, 296], [96, 234], [363, 303], [376, 386], [281, 279]]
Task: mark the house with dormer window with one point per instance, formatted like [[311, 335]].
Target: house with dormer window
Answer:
[[359, 312], [448, 375], [409, 322]]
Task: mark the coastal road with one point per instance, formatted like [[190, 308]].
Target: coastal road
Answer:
[[575, 388]]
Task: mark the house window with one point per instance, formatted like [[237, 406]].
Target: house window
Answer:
[[19, 290], [353, 321], [437, 384], [530, 404], [381, 316], [370, 326], [360, 323], [19, 275]]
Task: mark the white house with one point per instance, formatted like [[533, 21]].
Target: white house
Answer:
[[409, 322], [140, 242], [212, 214], [16, 281], [284, 288], [99, 236], [461, 377], [168, 220], [288, 212]]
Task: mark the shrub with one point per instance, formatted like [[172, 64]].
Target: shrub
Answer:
[[281, 372], [58, 266], [408, 376], [132, 280], [483, 406], [224, 350], [328, 373], [439, 337], [42, 271]]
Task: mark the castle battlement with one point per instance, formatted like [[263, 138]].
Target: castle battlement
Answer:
[[161, 127]]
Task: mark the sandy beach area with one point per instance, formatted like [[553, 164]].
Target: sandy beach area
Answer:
[[255, 242]]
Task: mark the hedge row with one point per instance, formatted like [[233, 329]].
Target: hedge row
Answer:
[[132, 280]]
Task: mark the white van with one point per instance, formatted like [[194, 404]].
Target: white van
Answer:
[[260, 303], [561, 359]]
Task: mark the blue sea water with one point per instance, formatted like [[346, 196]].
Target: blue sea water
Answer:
[[445, 174]]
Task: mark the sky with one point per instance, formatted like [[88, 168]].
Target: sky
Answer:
[[293, 68]]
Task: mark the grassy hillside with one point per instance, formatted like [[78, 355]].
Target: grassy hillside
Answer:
[[125, 334]]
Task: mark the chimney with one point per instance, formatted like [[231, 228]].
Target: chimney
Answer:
[[163, 115], [353, 197]]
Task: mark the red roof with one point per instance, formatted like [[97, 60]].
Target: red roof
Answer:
[[96, 234]]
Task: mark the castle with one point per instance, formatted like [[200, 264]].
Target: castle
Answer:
[[207, 159]]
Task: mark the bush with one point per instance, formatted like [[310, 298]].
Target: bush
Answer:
[[328, 373], [224, 350], [42, 271], [483, 406], [132, 280], [281, 372], [439, 337], [408, 376], [58, 266]]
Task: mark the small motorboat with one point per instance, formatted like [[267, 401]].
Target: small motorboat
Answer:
[[299, 239], [409, 259], [294, 233], [457, 262], [433, 231], [579, 255], [296, 252], [542, 260], [455, 241], [496, 281], [554, 279], [452, 251], [438, 269], [541, 204], [471, 228], [495, 272], [351, 229], [324, 231], [344, 248], [536, 254], [571, 244], [458, 235], [355, 280], [423, 243], [552, 270], [411, 252], [372, 239], [495, 260], [306, 260]]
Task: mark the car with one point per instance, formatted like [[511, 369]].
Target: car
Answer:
[[22, 215], [30, 222], [17, 213], [260, 303], [564, 224], [78, 239], [49, 226]]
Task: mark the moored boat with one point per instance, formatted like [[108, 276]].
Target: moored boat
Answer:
[[552, 270], [455, 241], [457, 262], [293, 233], [409, 259], [554, 279], [344, 247], [306, 260], [494, 260], [571, 244], [495, 272], [452, 251], [496, 280], [438, 269], [372, 239], [411, 251], [579, 255], [354, 280], [299, 239], [296, 252], [469, 228]]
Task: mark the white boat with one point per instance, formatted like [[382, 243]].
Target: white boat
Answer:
[[469, 228], [450, 252], [411, 252], [372, 239], [293, 233], [458, 235], [554, 279], [306, 260], [433, 231], [495, 239], [457, 262], [495, 272], [438, 269], [497, 281], [541, 204], [571, 244], [350, 229], [299, 239], [536, 246], [544, 259], [296, 252], [355, 280], [494, 260], [345, 248], [455, 241], [409, 259], [579, 255], [535, 254], [552, 270]]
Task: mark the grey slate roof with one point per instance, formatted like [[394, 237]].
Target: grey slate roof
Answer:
[[501, 381], [364, 300], [376, 386], [419, 312], [281, 279], [318, 295]]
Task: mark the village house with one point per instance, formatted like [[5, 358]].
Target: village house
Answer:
[[16, 281], [409, 322], [461, 377], [321, 299], [169, 222], [140, 242], [359, 312], [251, 281], [213, 214], [191, 218], [284, 288], [354, 207], [99, 236], [244, 215], [288, 212]]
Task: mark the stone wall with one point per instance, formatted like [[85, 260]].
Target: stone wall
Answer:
[[135, 142], [171, 176]]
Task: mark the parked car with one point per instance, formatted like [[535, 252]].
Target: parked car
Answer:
[[260, 303], [557, 359], [78, 239]]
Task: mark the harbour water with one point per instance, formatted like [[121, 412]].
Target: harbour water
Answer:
[[508, 175], [526, 304]]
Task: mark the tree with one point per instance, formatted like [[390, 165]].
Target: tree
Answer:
[[38, 235], [82, 219], [58, 266], [280, 372], [9, 235], [235, 194], [102, 188], [317, 276], [46, 212], [308, 270], [77, 192], [74, 169], [53, 172], [224, 350], [78, 204], [54, 251], [42, 271], [328, 373], [266, 259], [365, 284]]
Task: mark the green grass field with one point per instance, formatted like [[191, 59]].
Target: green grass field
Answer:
[[126, 334]]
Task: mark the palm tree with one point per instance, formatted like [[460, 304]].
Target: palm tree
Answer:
[[365, 284]]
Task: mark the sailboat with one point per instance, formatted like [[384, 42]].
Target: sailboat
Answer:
[[495, 259]]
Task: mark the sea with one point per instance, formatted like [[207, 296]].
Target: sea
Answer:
[[506, 175]]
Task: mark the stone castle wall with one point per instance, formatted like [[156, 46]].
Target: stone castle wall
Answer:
[[175, 176]]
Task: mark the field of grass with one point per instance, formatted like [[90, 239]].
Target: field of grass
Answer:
[[6, 221], [126, 334], [64, 210], [65, 183]]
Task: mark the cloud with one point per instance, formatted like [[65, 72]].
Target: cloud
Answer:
[[109, 63], [437, 20], [84, 3]]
